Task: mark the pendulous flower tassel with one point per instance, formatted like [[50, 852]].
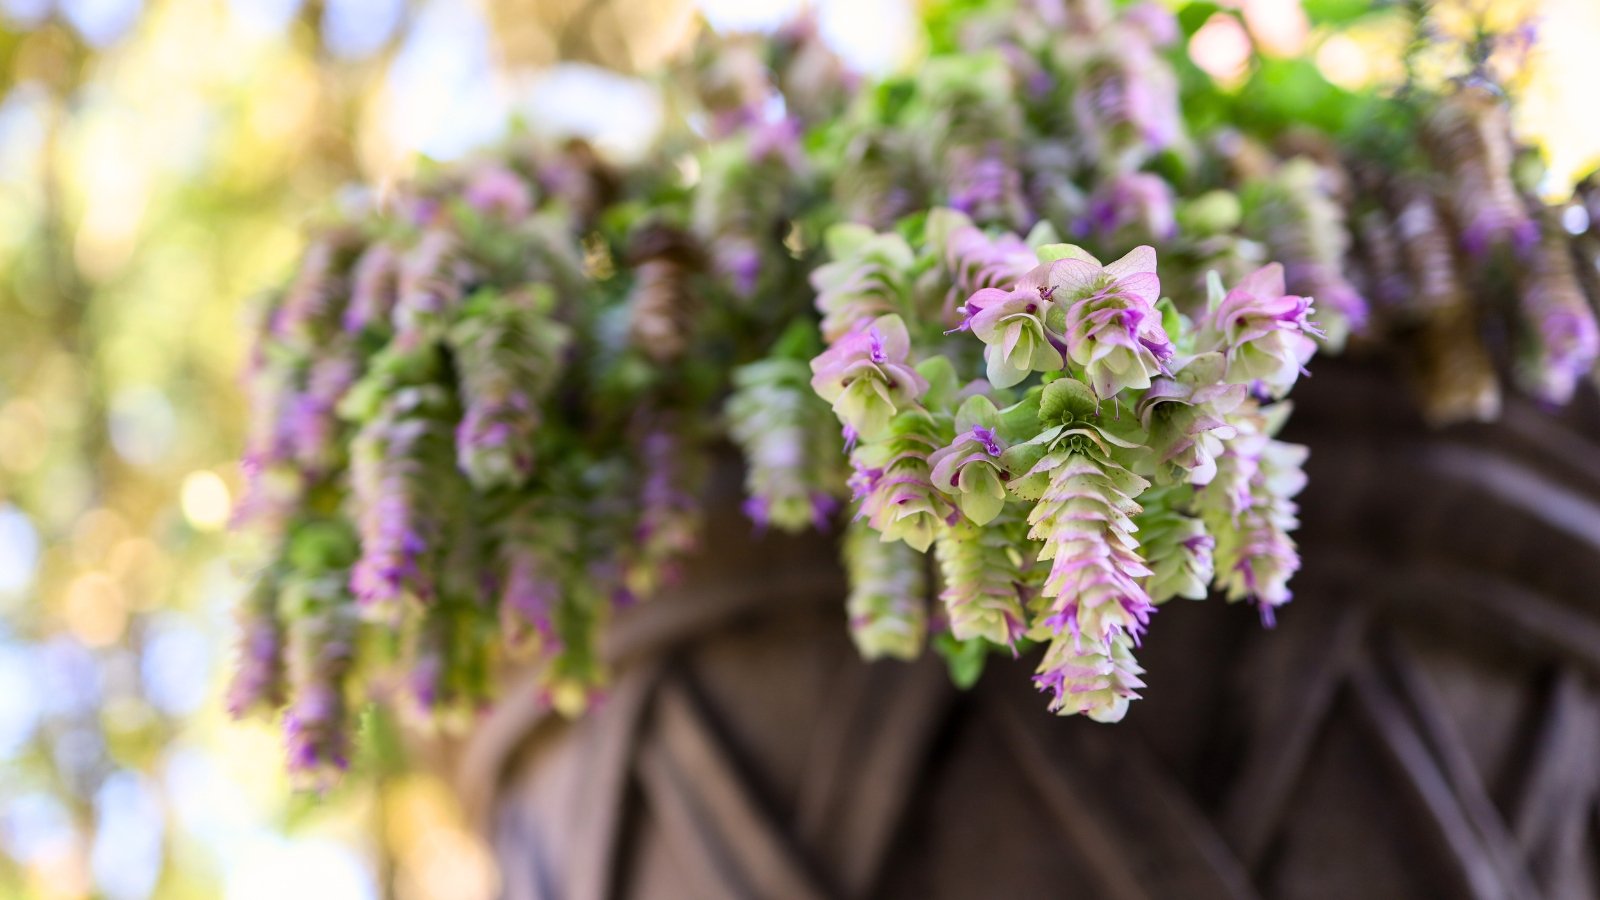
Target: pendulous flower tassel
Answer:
[[321, 651], [1559, 339], [665, 303], [985, 585], [508, 354], [396, 465], [790, 445], [258, 676], [1468, 137], [888, 604]]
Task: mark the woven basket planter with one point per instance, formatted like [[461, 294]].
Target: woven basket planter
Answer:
[[1424, 722]]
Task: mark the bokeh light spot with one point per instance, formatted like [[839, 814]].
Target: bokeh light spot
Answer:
[[206, 502]]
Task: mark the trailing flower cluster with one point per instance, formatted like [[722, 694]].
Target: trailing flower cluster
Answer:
[[1040, 304], [1118, 453]]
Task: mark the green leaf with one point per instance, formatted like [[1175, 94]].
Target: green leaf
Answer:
[[1049, 253], [977, 410], [1067, 400], [1020, 421], [965, 658], [943, 382], [1194, 15], [1341, 12], [843, 238], [1171, 321], [325, 546]]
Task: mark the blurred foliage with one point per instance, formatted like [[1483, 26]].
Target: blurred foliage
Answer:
[[156, 166]]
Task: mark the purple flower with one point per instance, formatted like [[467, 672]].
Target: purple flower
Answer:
[[969, 468], [499, 192], [669, 521], [529, 599], [314, 735], [312, 423], [374, 288], [396, 460], [896, 493], [867, 376], [986, 185], [1249, 509], [1178, 546], [508, 356], [1015, 328], [1113, 331], [1264, 333], [1154, 21], [1131, 204], [258, 675], [430, 280], [1561, 340], [738, 259], [316, 726]]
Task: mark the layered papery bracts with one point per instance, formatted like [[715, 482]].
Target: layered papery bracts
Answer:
[[1020, 328], [1177, 544], [1249, 509], [535, 563], [893, 482], [495, 191], [447, 664], [1113, 332], [741, 193], [974, 259], [664, 300], [1186, 417], [668, 528], [985, 583], [1264, 334], [868, 277], [374, 290], [888, 603], [867, 376], [508, 351], [1452, 364], [1083, 519], [1130, 208], [312, 307], [1126, 102], [966, 125], [877, 183], [312, 426], [969, 468], [1085, 679], [791, 447]]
